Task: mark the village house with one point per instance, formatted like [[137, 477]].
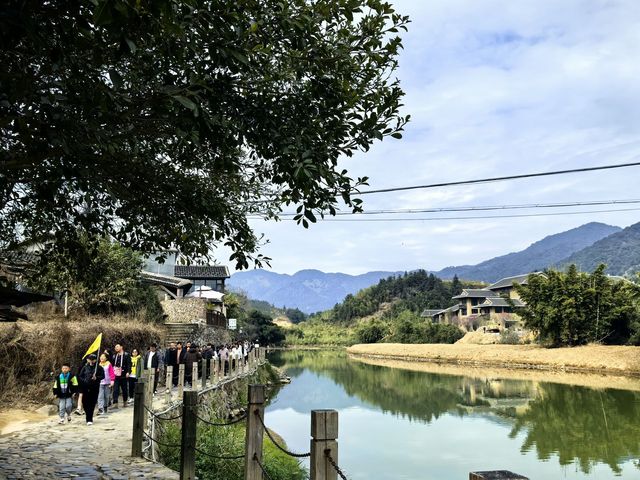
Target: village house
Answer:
[[191, 293], [498, 302]]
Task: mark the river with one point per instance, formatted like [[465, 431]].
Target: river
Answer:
[[410, 425]]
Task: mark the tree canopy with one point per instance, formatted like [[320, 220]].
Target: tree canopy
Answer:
[[575, 308], [165, 123], [102, 277]]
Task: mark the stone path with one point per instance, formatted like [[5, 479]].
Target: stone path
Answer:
[[74, 450]]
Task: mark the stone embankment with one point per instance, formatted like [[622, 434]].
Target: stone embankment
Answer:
[[616, 360], [47, 449]]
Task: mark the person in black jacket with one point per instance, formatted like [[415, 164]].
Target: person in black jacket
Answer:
[[121, 362], [152, 362], [89, 379]]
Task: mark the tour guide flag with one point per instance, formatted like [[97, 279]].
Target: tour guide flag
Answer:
[[95, 346]]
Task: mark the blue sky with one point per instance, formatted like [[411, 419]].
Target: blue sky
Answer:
[[494, 87]]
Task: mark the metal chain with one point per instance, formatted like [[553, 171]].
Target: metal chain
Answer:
[[327, 453], [281, 448], [155, 415], [221, 457], [153, 440], [264, 472], [213, 424]]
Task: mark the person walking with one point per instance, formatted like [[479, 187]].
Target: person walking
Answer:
[[224, 359], [122, 367], [106, 384], [152, 362], [136, 372], [179, 358], [193, 355], [89, 382], [64, 388]]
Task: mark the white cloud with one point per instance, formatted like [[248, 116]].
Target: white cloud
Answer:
[[494, 87]]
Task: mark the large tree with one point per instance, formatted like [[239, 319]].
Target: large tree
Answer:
[[164, 123]]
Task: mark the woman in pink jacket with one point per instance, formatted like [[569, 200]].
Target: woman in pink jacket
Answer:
[[105, 384]]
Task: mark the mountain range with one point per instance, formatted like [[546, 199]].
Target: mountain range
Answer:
[[587, 246]]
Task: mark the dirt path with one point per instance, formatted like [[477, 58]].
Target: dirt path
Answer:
[[593, 358], [46, 450]]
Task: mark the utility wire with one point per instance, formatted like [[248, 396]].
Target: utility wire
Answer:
[[499, 179], [479, 208], [477, 217]]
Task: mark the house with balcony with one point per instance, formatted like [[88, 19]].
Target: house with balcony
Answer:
[[499, 302]]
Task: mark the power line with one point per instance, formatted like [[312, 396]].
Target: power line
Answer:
[[499, 179], [481, 208], [477, 217]]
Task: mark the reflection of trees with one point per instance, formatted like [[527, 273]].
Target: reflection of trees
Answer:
[[415, 395], [577, 423]]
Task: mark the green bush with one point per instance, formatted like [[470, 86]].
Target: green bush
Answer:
[[228, 441], [371, 332]]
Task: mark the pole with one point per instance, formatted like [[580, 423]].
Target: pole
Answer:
[[180, 380], [253, 442], [169, 384], [194, 377], [324, 432], [204, 373], [188, 444], [138, 419], [66, 303]]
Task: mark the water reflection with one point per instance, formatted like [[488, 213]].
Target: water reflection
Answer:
[[579, 425]]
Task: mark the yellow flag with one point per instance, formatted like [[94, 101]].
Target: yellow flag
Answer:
[[95, 346]]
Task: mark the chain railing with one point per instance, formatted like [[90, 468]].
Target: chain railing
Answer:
[[324, 432]]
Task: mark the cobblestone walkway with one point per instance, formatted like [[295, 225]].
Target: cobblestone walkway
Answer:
[[74, 450]]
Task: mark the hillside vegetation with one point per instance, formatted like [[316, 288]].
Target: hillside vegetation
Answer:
[[619, 251], [389, 311]]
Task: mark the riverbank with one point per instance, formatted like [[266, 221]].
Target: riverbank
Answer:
[[616, 360]]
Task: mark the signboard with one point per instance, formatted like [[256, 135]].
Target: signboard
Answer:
[[233, 324]]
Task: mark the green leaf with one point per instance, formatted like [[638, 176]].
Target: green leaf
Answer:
[[186, 102]]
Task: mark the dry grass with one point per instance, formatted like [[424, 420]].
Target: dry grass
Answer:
[[592, 358], [31, 351]]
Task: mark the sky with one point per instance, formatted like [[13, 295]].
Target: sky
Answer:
[[494, 88]]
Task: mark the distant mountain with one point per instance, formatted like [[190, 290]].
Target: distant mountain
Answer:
[[309, 290], [620, 251], [547, 252]]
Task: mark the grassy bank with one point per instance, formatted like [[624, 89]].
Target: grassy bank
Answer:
[[229, 441], [31, 351], [592, 358]]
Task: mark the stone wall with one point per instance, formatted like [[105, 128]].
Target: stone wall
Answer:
[[184, 310]]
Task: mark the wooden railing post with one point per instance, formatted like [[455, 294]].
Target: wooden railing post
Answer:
[[324, 434], [253, 443], [194, 377], [204, 373], [148, 394], [139, 418], [180, 380], [188, 444], [169, 384]]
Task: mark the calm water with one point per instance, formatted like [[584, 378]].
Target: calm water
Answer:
[[399, 424]]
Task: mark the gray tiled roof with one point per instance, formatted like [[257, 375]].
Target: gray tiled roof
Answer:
[[501, 302], [452, 309], [475, 293], [166, 280], [201, 271], [430, 312], [509, 281]]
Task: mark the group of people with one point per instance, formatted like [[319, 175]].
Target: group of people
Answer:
[[101, 380], [188, 354]]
